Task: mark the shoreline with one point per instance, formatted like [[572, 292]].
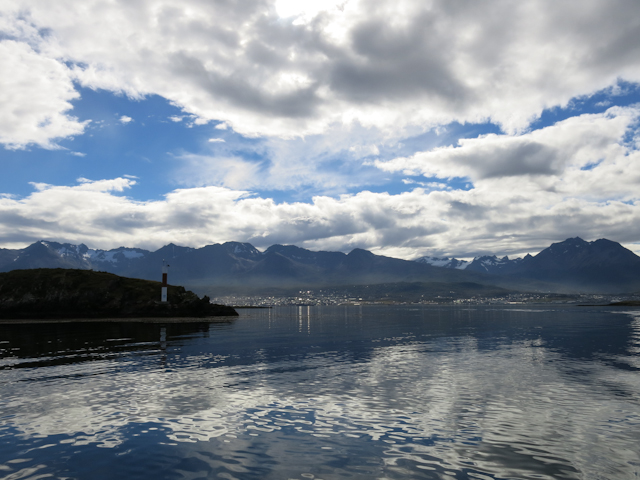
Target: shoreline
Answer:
[[27, 321]]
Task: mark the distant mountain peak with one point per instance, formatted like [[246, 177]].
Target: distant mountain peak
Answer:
[[575, 241], [444, 262], [601, 265], [493, 264], [242, 249], [360, 252]]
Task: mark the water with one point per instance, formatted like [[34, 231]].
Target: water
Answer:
[[326, 393]]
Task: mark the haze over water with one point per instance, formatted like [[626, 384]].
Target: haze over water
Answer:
[[326, 393]]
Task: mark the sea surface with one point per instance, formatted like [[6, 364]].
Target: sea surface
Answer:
[[358, 392]]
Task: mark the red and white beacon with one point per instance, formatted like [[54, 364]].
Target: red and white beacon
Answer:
[[165, 269]]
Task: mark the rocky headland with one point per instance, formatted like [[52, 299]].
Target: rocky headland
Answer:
[[58, 293]]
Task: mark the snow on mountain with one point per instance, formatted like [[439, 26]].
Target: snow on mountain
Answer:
[[243, 249], [67, 249], [444, 262], [113, 256], [493, 264], [484, 264], [83, 253], [601, 265]]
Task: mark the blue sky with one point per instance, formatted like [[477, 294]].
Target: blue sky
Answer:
[[147, 145], [408, 128]]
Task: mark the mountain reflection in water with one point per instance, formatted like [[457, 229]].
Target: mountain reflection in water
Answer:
[[325, 393]]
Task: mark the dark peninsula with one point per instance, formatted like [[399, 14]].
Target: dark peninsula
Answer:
[[58, 293], [625, 303]]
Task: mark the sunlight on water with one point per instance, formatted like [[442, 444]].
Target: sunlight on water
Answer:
[[329, 393]]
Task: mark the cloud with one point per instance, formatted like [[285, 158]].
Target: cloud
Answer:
[[429, 185], [493, 218], [125, 119], [322, 90], [577, 142], [228, 171], [268, 69], [35, 95], [319, 164], [216, 140]]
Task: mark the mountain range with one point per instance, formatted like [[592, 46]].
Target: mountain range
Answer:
[[574, 265]]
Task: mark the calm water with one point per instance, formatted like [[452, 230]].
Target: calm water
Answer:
[[327, 393]]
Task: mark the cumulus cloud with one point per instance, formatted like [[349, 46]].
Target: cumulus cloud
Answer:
[[324, 86], [124, 119], [516, 219], [578, 142], [35, 95], [276, 69]]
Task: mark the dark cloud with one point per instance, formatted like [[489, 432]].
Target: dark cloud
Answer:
[[17, 221], [522, 158], [240, 89], [396, 62], [467, 211]]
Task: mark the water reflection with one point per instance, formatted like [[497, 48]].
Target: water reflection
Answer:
[[634, 338], [29, 345], [331, 393]]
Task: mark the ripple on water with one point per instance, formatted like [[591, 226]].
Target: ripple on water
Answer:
[[444, 406]]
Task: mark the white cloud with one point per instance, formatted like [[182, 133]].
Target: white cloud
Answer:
[[385, 64], [364, 150], [429, 185], [232, 171], [326, 164], [35, 92], [500, 218], [320, 79], [574, 143], [216, 140], [125, 119], [305, 11]]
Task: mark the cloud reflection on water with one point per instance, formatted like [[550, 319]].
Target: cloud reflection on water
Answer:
[[405, 405]]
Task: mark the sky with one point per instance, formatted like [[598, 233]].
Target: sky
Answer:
[[405, 127]]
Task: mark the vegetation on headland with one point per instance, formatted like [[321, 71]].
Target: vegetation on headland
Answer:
[[69, 293]]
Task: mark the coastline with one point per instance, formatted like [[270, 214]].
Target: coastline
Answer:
[[27, 321]]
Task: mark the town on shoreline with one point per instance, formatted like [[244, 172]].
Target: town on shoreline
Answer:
[[329, 297]]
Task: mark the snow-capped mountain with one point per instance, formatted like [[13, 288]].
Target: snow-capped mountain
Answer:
[[229, 263], [444, 262], [572, 265], [598, 265], [485, 264], [493, 264], [82, 253]]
